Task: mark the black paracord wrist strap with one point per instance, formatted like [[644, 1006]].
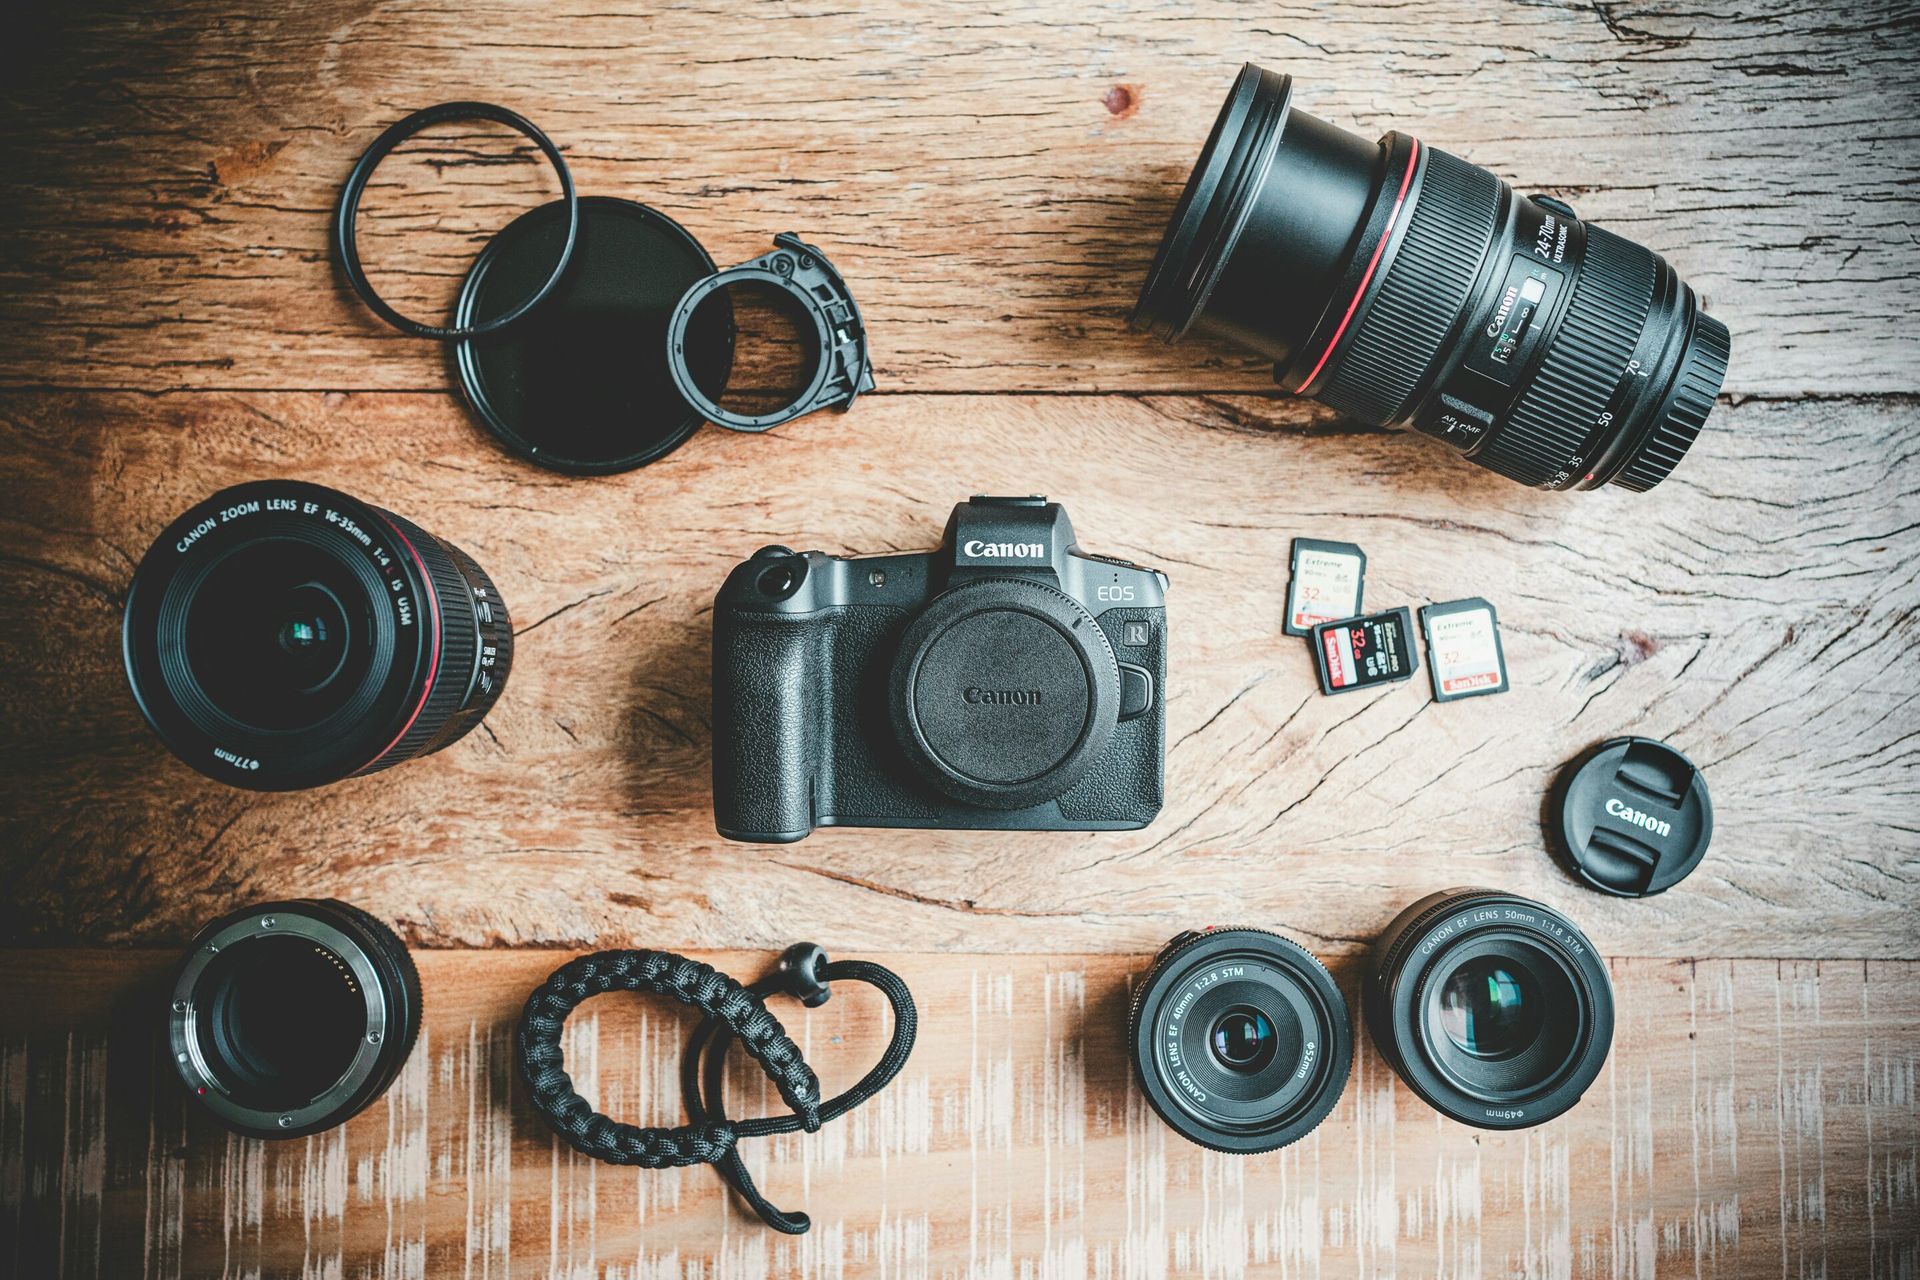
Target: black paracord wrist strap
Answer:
[[733, 1012]]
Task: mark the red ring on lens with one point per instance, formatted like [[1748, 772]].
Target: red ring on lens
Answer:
[[1386, 235]]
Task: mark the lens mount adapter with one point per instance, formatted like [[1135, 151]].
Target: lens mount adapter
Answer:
[[289, 1018], [1492, 1008], [1240, 1039]]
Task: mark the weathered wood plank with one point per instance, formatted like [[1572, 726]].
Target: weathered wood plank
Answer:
[[992, 183], [1759, 610], [1755, 1118]]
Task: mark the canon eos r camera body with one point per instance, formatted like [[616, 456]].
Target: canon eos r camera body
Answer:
[[1007, 681]]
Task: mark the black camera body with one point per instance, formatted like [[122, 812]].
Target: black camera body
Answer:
[[1008, 681]]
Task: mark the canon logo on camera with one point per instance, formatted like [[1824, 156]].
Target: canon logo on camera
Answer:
[[1001, 697], [1646, 820], [978, 550]]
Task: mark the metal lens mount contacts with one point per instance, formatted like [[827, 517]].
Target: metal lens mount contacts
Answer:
[[588, 336]]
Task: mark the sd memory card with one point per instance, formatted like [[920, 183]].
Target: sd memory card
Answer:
[[1361, 652], [1325, 585], [1464, 657]]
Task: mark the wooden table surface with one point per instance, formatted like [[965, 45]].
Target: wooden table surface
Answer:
[[992, 184]]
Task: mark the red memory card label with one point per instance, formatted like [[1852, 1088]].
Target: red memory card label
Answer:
[[1365, 651]]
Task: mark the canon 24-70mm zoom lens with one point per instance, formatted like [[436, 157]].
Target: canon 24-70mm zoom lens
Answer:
[[283, 635], [1493, 1008], [1406, 287], [1240, 1039]]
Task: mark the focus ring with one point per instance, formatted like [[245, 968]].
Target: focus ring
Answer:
[[496, 629], [457, 638], [1421, 295], [1694, 392], [1585, 361]]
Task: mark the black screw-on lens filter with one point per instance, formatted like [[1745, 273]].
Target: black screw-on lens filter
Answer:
[[1631, 817], [583, 385], [346, 243]]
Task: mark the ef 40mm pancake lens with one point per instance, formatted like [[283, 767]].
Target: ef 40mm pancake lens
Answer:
[[1240, 1039], [1494, 1009], [1406, 287], [288, 1018], [283, 635]]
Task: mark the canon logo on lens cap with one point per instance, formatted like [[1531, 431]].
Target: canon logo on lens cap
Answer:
[[1639, 819], [1001, 697]]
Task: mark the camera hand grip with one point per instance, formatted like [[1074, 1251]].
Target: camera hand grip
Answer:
[[771, 702]]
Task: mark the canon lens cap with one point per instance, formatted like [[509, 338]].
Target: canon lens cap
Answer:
[[582, 383], [1631, 817]]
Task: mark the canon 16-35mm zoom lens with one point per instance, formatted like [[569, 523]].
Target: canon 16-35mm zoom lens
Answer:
[[290, 1017], [283, 635], [1492, 1008], [1240, 1039], [1404, 286]]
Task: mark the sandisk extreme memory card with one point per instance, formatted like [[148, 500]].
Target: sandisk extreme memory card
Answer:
[[1464, 656], [1361, 652], [1326, 582]]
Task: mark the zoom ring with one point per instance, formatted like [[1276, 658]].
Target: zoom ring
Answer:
[[1546, 434], [1421, 296], [496, 632], [1694, 392], [459, 645]]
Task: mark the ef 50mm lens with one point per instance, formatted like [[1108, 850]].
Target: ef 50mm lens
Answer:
[[1493, 1008], [1406, 287]]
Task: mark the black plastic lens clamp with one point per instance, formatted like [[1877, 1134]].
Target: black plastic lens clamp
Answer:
[[844, 369], [346, 244]]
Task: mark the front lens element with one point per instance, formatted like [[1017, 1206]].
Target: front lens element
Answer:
[[1244, 1040], [1489, 1010], [268, 635], [1240, 1040], [1494, 1009], [282, 635], [1406, 287]]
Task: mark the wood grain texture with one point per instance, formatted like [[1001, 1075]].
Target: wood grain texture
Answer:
[[1755, 1118], [1760, 610], [991, 182]]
